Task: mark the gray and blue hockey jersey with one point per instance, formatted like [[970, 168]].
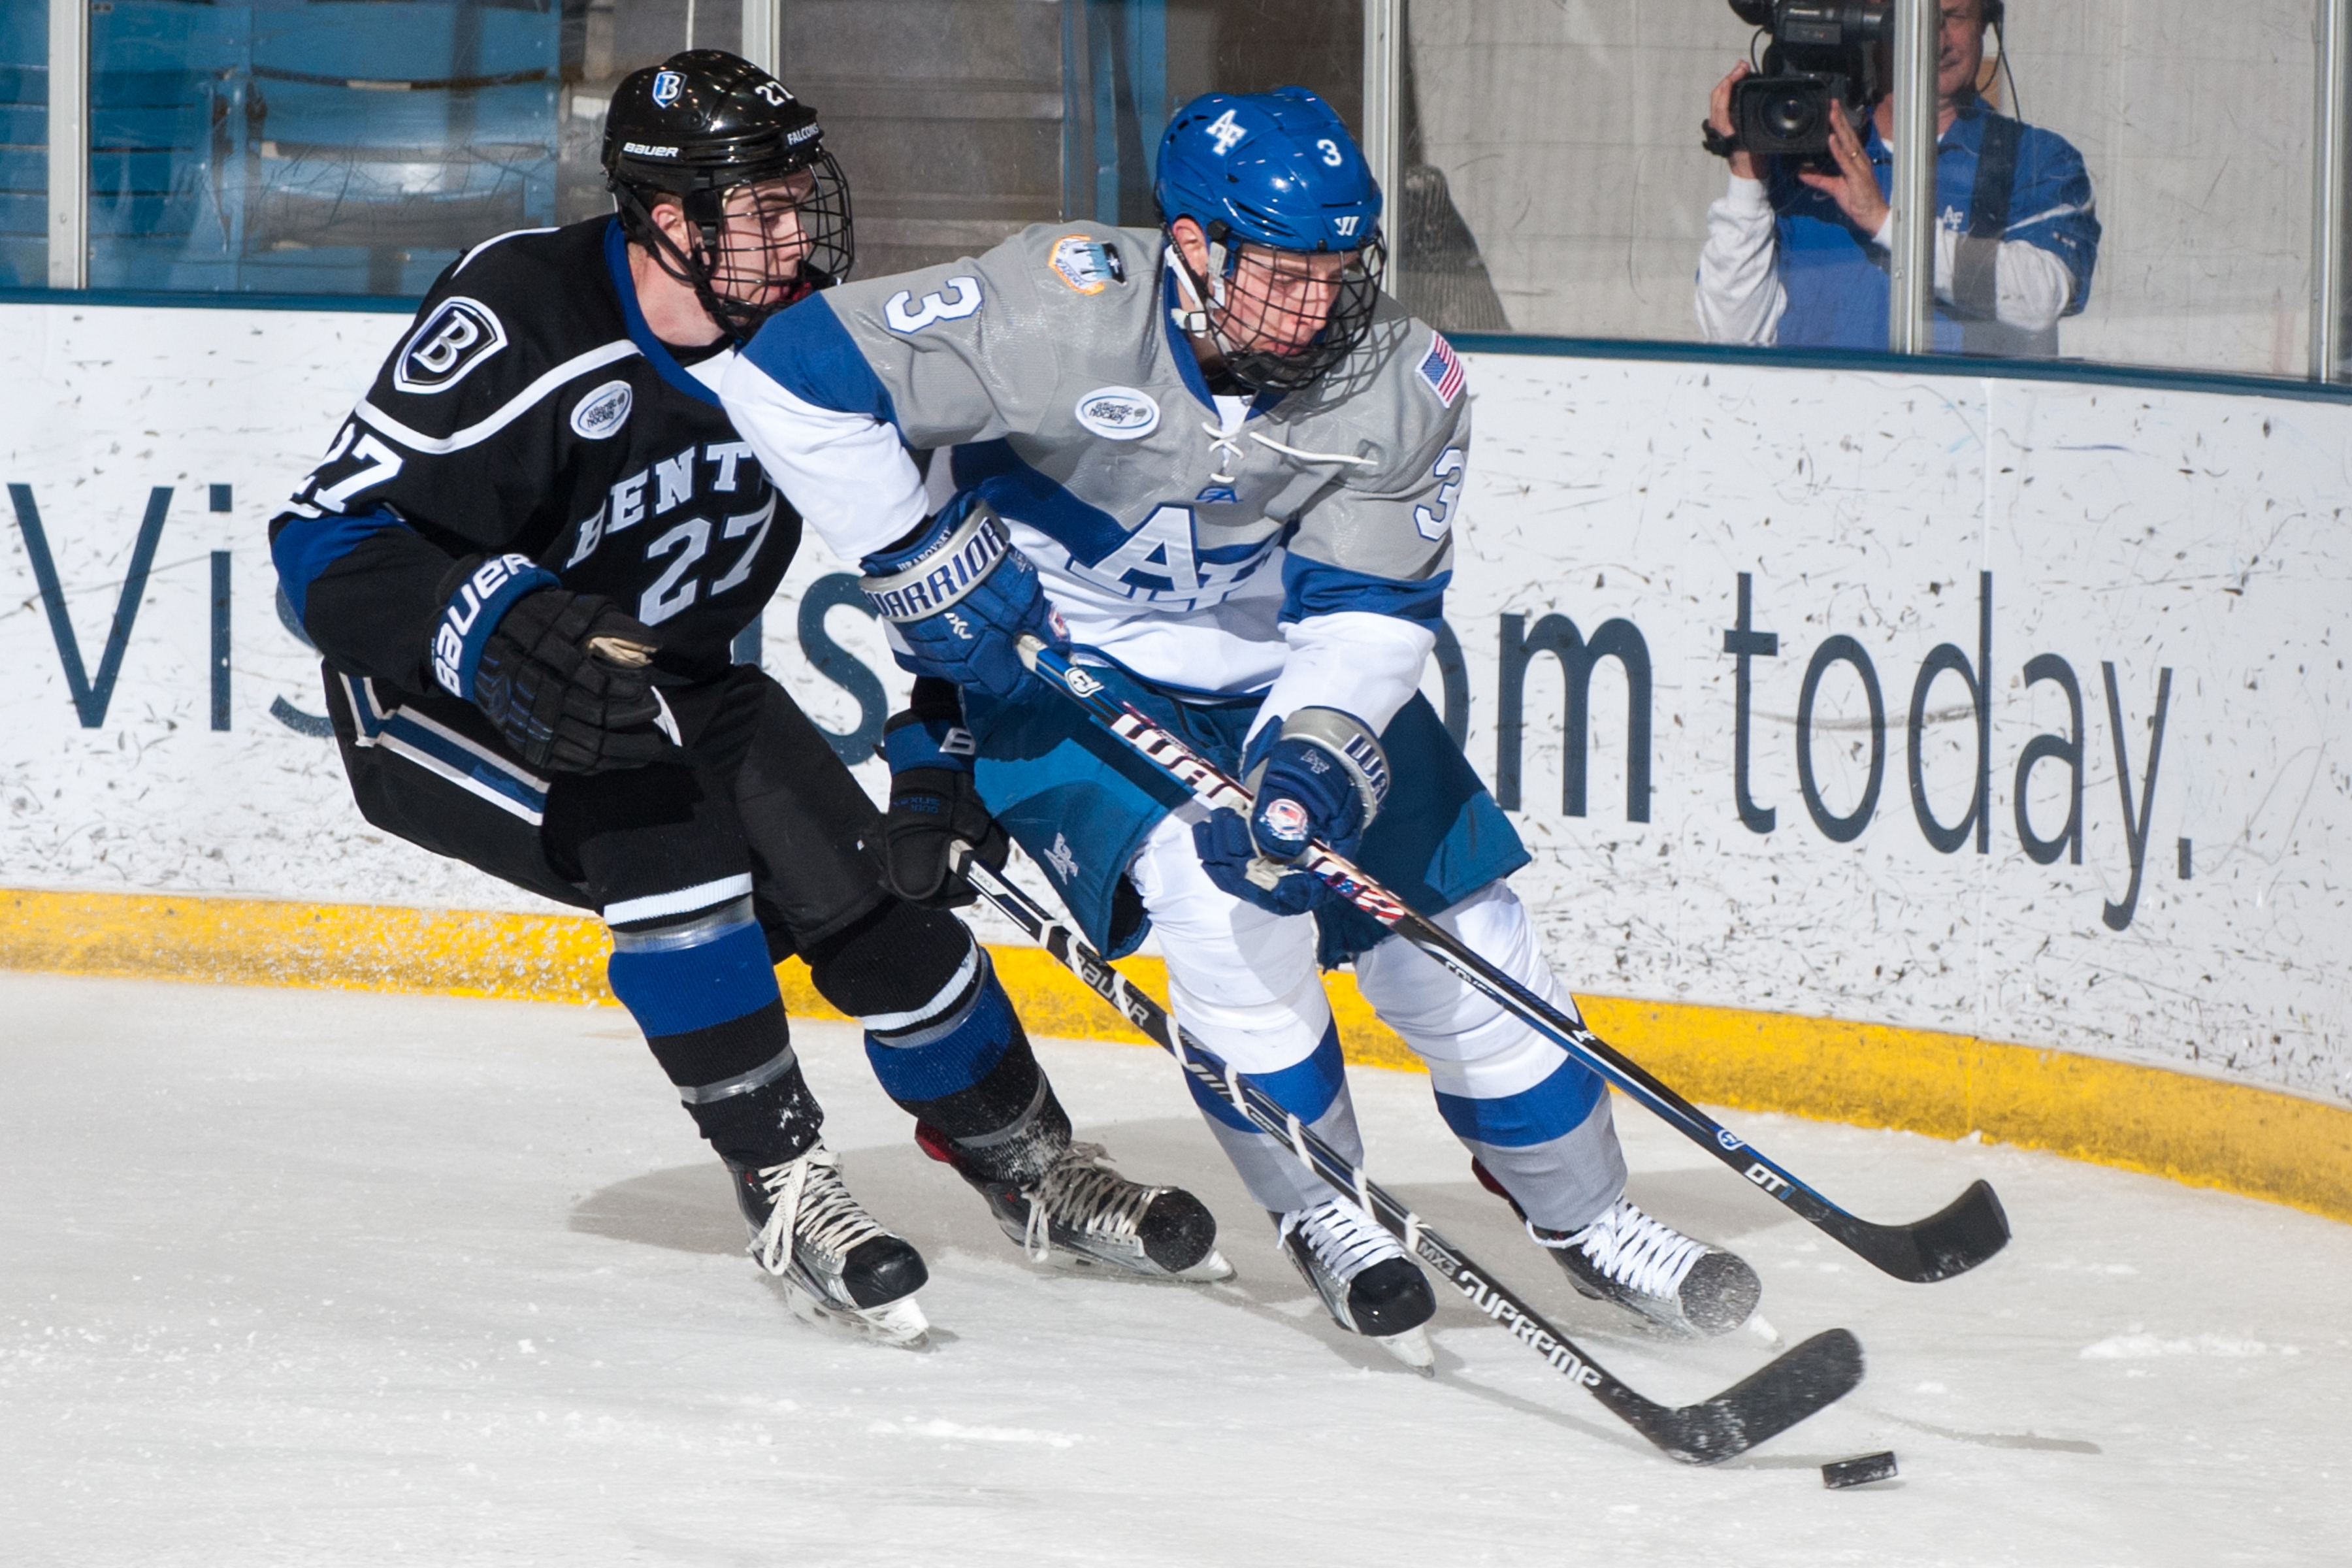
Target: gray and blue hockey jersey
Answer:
[[1296, 546]]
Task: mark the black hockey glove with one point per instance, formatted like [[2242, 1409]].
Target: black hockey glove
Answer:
[[934, 801], [564, 677]]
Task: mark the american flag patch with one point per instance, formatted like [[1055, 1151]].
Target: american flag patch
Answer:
[[1442, 370]]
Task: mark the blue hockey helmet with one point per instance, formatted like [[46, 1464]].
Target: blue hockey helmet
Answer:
[[1279, 171]]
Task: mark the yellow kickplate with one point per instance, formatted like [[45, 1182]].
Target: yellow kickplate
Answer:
[[2205, 1131]]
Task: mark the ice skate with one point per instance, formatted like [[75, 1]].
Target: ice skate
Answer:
[[838, 1266], [1367, 1284], [1626, 1257], [1082, 1214]]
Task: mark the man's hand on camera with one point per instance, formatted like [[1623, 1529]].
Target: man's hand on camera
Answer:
[[1719, 114], [1854, 187]]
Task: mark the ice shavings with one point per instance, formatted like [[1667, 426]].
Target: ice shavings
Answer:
[[2146, 1347]]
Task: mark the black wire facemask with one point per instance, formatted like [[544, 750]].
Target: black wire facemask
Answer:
[[758, 245], [1279, 325]]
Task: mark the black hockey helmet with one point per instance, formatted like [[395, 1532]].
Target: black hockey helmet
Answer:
[[710, 130]]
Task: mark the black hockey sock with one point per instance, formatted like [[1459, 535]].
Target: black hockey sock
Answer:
[[742, 1083], [700, 986], [943, 1039], [1008, 1127]]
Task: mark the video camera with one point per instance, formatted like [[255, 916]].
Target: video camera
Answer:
[[1823, 53]]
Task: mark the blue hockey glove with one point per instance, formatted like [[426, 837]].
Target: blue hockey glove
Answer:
[[1227, 853], [934, 802], [960, 597], [1322, 775]]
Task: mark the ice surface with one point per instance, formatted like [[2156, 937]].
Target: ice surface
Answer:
[[326, 1278]]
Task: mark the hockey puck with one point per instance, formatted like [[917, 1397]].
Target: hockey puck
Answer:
[[1859, 1471]]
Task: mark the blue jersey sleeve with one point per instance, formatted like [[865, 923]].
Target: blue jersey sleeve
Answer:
[[2051, 208]]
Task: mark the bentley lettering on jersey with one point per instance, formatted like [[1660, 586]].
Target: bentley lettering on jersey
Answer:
[[665, 486]]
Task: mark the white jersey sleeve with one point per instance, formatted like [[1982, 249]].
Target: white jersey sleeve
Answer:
[[831, 393]]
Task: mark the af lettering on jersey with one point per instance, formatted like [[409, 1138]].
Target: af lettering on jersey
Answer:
[[1163, 564], [448, 346]]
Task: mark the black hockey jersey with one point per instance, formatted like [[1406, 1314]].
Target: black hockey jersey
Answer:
[[530, 411]]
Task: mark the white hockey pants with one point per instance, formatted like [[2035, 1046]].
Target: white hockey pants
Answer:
[[1244, 982]]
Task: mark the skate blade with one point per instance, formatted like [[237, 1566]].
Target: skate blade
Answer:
[[1209, 1270], [899, 1324], [1069, 1260], [1412, 1348]]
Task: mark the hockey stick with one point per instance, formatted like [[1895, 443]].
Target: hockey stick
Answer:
[[1782, 1392], [1967, 1232]]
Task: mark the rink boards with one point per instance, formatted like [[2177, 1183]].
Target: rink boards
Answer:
[[2044, 712]]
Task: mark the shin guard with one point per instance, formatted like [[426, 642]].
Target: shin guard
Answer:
[[699, 981]]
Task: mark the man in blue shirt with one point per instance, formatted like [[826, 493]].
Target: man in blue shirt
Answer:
[[1797, 256]]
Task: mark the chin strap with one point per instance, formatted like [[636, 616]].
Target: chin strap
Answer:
[[1189, 314]]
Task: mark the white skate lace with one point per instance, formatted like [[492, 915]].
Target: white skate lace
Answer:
[[1344, 1240], [1634, 1249], [812, 1200], [1082, 1190]]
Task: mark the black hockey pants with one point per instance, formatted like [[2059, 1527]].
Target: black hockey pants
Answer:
[[756, 844]]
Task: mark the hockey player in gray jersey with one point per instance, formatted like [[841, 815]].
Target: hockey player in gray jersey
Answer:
[[1223, 468]]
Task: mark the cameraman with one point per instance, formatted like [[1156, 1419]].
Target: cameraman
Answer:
[[1797, 255]]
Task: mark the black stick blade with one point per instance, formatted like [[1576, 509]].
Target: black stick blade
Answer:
[[1953, 1242], [1800, 1383]]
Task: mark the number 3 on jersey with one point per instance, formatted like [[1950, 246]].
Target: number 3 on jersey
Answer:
[[959, 299], [1433, 523]]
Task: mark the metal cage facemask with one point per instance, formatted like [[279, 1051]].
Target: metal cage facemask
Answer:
[[1274, 327]]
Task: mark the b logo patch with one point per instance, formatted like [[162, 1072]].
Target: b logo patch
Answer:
[[667, 85], [443, 351]]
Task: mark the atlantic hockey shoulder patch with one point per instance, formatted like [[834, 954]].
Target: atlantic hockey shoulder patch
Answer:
[[1442, 370]]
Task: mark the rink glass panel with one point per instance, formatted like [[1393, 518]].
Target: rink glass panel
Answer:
[[1554, 180], [24, 143], [351, 146]]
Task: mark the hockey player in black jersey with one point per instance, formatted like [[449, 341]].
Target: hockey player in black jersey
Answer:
[[525, 558]]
